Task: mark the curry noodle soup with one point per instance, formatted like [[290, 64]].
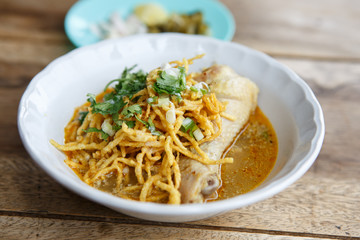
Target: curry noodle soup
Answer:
[[162, 136]]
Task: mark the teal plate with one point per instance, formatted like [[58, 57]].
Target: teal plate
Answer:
[[85, 13]]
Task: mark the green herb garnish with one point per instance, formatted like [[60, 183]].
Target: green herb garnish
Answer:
[[118, 125], [130, 111], [151, 100], [170, 84], [112, 104], [82, 116], [118, 122], [129, 83], [104, 135], [152, 128], [149, 125], [194, 89], [204, 91], [135, 99], [142, 121], [188, 126], [130, 124]]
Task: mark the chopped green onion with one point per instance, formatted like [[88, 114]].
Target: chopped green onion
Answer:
[[202, 87], [194, 89], [171, 116], [198, 134], [187, 124], [107, 127], [151, 100], [204, 91], [163, 101]]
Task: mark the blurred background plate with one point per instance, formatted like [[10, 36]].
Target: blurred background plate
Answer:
[[85, 13]]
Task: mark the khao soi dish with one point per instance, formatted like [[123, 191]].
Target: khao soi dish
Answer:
[[162, 136]]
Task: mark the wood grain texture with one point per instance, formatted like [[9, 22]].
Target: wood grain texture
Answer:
[[37, 7], [318, 40], [69, 229], [331, 206], [325, 30]]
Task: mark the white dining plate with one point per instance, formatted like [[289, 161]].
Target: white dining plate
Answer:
[[49, 101]]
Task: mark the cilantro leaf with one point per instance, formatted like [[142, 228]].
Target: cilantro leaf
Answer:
[[130, 124], [104, 135], [82, 116], [111, 105], [135, 99], [129, 83], [118, 122], [130, 111], [142, 121], [170, 84], [149, 125], [152, 128]]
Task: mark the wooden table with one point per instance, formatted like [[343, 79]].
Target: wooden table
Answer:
[[320, 40]]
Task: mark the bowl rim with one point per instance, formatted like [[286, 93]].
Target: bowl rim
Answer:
[[156, 209]]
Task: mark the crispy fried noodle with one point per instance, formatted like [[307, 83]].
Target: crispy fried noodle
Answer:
[[130, 138]]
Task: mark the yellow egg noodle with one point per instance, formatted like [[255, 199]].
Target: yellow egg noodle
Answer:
[[142, 165]]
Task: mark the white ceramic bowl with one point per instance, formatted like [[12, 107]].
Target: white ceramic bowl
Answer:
[[52, 95]]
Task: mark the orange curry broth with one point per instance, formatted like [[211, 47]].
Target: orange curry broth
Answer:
[[254, 152]]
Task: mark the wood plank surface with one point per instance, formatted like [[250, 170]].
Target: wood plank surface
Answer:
[[325, 30], [317, 39], [45, 228]]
